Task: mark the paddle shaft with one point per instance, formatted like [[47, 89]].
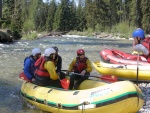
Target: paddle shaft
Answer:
[[137, 75], [104, 77], [89, 76]]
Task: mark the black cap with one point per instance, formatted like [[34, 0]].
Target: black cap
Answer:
[[56, 48]]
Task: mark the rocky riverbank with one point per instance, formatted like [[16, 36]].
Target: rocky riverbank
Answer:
[[145, 87], [5, 37]]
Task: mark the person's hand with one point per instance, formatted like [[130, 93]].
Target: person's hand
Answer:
[[67, 72], [33, 79], [58, 73], [83, 72]]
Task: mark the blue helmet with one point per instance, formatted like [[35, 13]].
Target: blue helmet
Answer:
[[138, 33]]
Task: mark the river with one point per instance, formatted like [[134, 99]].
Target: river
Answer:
[[12, 57]]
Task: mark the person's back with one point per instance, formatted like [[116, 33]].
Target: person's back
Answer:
[[45, 73], [29, 61]]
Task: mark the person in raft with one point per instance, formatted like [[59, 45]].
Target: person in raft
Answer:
[[81, 65], [58, 63], [45, 73], [29, 62], [141, 44]]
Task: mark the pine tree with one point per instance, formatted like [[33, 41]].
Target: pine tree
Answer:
[[145, 8], [80, 16], [88, 12], [8, 11], [57, 18], [73, 17], [0, 8], [135, 15], [16, 22], [51, 13], [62, 19]]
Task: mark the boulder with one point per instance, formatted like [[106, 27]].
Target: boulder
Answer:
[[5, 37]]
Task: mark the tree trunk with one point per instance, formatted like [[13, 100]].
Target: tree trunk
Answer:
[[0, 8]]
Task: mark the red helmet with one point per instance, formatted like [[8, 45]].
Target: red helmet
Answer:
[[80, 51]]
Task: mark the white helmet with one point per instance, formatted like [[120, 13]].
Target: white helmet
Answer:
[[36, 51], [49, 51]]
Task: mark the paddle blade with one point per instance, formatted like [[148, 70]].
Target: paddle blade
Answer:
[[109, 78], [23, 77], [65, 83]]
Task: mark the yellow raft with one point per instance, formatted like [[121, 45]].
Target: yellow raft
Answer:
[[123, 71], [92, 97]]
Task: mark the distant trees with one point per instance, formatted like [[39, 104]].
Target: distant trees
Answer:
[[0, 8], [66, 15]]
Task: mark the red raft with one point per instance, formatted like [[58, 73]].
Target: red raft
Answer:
[[118, 57]]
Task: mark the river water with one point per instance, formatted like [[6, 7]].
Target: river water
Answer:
[[12, 57]]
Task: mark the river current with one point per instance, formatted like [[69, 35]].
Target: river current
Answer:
[[12, 58]]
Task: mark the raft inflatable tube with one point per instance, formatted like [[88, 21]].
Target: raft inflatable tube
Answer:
[[115, 56], [93, 96], [124, 71]]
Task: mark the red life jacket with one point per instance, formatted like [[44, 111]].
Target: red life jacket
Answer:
[[41, 71], [146, 43], [80, 65]]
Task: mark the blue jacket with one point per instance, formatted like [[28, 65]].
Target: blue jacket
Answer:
[[29, 67]]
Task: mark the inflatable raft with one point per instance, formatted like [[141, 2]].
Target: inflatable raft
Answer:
[[93, 96], [119, 57], [124, 71]]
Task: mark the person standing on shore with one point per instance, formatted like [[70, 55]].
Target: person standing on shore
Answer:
[[80, 65]]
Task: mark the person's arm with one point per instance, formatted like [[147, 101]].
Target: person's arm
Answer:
[[50, 66], [89, 66], [27, 67], [135, 42], [71, 65]]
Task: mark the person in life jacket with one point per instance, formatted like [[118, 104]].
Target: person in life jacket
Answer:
[[29, 62], [81, 65], [140, 43], [58, 63], [45, 73]]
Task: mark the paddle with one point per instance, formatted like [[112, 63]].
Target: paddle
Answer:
[[137, 75], [65, 83], [137, 70], [23, 77], [108, 78]]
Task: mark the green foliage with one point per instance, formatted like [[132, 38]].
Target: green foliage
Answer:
[[51, 14], [28, 26], [116, 16], [84, 33], [30, 36], [123, 29], [146, 15]]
